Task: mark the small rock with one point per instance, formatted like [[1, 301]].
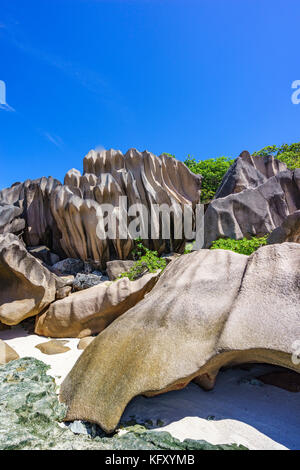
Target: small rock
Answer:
[[68, 280], [63, 292], [117, 267], [84, 342], [7, 353], [53, 347], [44, 254], [85, 281], [68, 266]]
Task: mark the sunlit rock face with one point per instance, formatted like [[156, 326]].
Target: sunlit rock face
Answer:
[[69, 220], [209, 309], [256, 195], [27, 287]]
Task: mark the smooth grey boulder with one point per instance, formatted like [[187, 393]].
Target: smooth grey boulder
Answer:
[[249, 171], [85, 281], [209, 309], [288, 231], [256, 207], [68, 266]]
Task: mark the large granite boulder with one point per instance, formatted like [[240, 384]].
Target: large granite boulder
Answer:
[[257, 194], [209, 309], [27, 287], [288, 231], [34, 198], [68, 218], [249, 171], [89, 311]]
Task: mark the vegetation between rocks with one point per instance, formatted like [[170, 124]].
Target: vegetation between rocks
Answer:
[[214, 169], [147, 261], [243, 246]]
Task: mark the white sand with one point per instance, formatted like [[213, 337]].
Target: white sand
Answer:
[[259, 417], [24, 344]]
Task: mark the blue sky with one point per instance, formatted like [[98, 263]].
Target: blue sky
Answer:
[[200, 77]]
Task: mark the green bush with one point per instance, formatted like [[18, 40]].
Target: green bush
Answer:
[[212, 171], [146, 261], [244, 246], [287, 153]]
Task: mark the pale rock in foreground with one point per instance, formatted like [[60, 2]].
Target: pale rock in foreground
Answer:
[[53, 347], [208, 309], [87, 312], [7, 353]]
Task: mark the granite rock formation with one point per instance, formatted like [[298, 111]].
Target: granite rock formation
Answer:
[[87, 312], [209, 309], [256, 196], [66, 218], [288, 231], [27, 287]]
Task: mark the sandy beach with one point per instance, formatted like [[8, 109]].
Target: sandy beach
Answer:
[[239, 410]]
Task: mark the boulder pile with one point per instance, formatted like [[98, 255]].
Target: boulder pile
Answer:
[[208, 309]]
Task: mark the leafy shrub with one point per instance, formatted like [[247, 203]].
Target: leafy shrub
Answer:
[[244, 246], [188, 248], [146, 261], [168, 154], [212, 171], [287, 153]]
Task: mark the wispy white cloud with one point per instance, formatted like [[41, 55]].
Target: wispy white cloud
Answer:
[[6, 107], [54, 139]]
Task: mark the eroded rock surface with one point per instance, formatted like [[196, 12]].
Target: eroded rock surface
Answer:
[[209, 308], [288, 231], [66, 218], [256, 196], [248, 172], [89, 311], [27, 287]]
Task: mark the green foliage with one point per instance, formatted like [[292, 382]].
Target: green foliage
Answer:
[[212, 171], [188, 248], [244, 246], [287, 153], [146, 261], [168, 154]]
